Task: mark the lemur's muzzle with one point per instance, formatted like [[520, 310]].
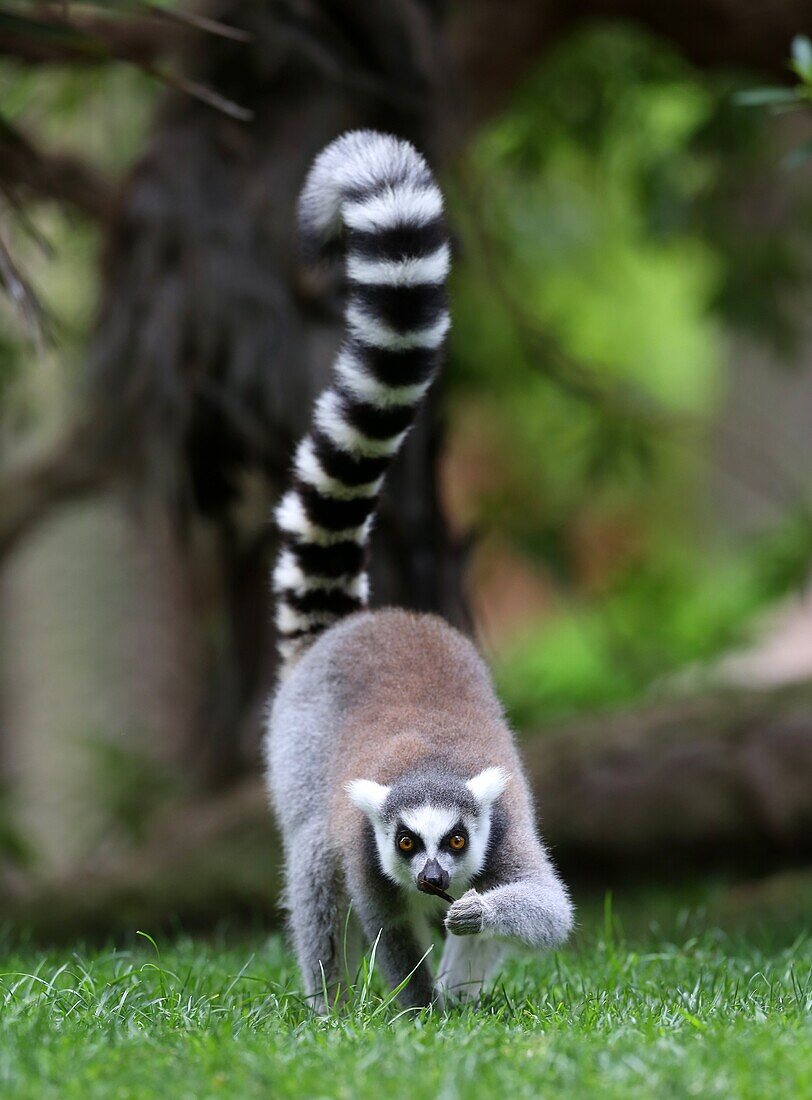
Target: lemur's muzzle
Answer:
[[434, 877]]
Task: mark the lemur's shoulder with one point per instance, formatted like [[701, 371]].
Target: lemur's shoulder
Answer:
[[407, 655], [417, 689]]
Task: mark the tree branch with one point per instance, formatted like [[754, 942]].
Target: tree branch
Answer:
[[86, 40], [75, 467], [59, 176], [92, 39]]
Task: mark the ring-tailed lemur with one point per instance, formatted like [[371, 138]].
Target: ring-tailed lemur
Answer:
[[390, 761]]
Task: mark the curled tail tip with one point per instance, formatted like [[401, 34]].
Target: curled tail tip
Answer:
[[356, 162]]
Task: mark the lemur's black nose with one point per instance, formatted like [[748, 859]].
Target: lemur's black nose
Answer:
[[434, 875]]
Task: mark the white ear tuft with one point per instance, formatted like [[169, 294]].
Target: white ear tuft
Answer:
[[488, 785], [367, 795]]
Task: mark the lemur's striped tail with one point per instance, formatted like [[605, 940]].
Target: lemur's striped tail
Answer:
[[380, 192]]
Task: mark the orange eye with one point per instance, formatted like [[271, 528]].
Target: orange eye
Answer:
[[406, 844], [456, 842]]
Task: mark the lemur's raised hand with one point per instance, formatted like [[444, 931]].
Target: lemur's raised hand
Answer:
[[390, 761]]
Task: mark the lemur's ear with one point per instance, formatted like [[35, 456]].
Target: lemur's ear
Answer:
[[368, 796], [488, 785]]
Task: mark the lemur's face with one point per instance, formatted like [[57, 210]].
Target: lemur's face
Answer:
[[441, 837]]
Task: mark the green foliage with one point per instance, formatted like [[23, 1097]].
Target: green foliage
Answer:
[[690, 1012], [674, 612], [601, 251], [101, 115], [608, 244], [581, 189], [583, 302]]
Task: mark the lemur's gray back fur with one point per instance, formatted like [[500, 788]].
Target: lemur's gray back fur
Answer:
[[378, 192]]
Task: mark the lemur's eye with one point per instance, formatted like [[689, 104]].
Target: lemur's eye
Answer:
[[456, 842], [406, 844]]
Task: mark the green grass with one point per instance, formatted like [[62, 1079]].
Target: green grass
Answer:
[[697, 1012]]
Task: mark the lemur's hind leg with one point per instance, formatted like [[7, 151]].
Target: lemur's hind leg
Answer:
[[468, 965], [316, 907]]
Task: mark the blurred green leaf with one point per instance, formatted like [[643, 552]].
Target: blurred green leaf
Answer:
[[659, 619], [607, 245], [802, 57], [801, 65], [765, 97]]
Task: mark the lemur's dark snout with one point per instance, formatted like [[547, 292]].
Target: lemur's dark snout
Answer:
[[434, 876]]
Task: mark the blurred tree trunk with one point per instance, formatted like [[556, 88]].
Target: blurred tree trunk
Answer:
[[212, 342], [720, 779]]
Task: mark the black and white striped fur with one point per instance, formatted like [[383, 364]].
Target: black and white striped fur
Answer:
[[379, 194]]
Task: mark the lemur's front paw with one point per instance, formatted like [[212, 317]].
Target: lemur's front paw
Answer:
[[466, 917]]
